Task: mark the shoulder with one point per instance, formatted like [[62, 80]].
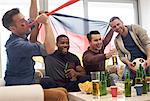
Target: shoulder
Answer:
[[15, 42], [135, 28], [51, 55], [88, 51], [117, 37], [72, 55]]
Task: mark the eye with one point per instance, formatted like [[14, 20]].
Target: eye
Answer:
[[114, 27]]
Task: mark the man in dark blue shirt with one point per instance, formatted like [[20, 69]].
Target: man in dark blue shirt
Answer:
[[20, 50]]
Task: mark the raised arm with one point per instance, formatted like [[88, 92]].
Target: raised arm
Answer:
[[49, 41], [108, 38], [33, 9], [33, 14]]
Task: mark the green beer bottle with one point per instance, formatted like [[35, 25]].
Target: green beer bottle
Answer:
[[127, 85], [103, 90], [108, 80], [138, 79], [141, 70], [145, 85]]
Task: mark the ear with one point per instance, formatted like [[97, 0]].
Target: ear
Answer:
[[56, 44], [12, 28]]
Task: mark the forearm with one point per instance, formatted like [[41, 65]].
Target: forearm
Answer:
[[33, 15], [108, 37], [34, 34], [33, 9], [49, 42], [126, 61], [78, 74], [148, 53]]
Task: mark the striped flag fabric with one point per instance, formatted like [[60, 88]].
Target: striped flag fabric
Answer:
[[76, 29]]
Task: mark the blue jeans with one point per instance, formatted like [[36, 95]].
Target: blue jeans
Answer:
[[72, 86]]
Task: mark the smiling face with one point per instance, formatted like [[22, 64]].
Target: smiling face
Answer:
[[63, 44], [96, 42], [117, 26]]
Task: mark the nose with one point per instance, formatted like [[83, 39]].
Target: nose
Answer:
[[99, 41], [66, 45], [117, 27]]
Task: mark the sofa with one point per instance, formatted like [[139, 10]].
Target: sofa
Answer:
[[21, 93], [31, 93]]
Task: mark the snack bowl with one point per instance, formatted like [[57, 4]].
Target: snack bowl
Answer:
[[85, 87]]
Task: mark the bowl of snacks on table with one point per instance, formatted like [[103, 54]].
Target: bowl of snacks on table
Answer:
[[86, 87]]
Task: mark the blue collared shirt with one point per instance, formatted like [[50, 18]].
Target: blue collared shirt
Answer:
[[20, 66]]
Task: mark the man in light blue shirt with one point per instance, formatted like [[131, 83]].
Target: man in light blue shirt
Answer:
[[20, 66]]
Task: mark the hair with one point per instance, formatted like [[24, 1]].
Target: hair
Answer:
[[114, 18], [7, 19], [89, 35], [60, 36]]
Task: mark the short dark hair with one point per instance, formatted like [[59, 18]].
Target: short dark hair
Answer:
[[92, 33], [114, 18], [60, 36], [7, 19]]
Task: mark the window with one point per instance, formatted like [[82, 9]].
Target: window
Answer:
[[75, 9], [6, 5], [93, 9], [124, 9]]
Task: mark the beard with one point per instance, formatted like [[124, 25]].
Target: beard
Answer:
[[63, 50]]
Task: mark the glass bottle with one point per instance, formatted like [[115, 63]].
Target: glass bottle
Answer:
[[127, 85], [145, 85], [103, 90], [108, 79], [141, 70], [138, 79], [114, 60]]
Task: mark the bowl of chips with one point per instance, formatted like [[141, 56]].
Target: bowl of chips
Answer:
[[86, 87]]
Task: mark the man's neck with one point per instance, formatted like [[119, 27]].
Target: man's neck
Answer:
[[62, 53], [94, 50], [125, 32], [21, 36]]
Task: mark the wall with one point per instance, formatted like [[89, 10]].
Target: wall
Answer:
[[144, 11]]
